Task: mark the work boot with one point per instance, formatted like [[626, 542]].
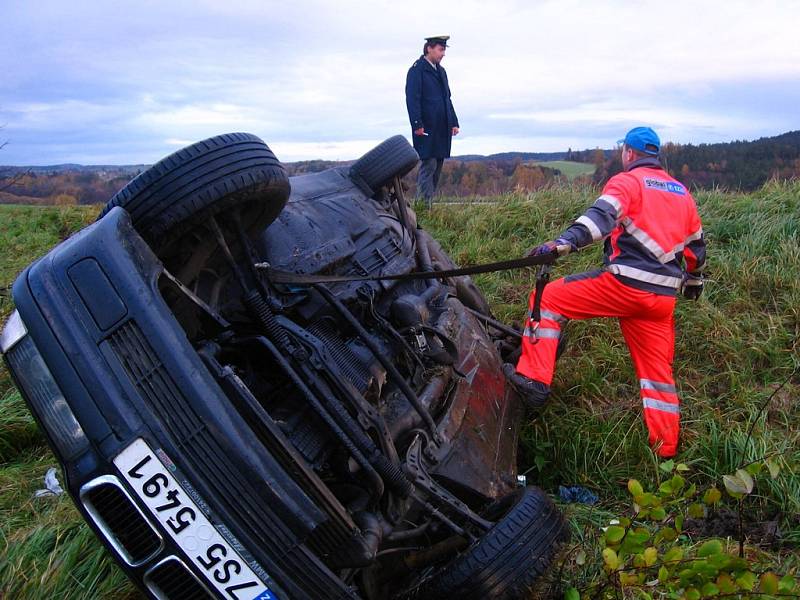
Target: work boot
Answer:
[[533, 393]]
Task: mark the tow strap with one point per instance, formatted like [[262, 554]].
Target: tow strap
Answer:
[[278, 276]]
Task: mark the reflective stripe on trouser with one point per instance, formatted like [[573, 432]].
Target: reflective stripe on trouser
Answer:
[[646, 322]]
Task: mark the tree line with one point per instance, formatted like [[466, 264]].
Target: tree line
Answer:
[[738, 165]]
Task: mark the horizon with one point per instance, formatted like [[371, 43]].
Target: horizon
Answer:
[[92, 83], [456, 157]]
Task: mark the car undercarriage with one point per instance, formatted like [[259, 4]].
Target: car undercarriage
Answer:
[[339, 438]]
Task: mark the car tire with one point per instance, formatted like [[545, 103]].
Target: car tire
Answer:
[[509, 558], [233, 170], [391, 158]]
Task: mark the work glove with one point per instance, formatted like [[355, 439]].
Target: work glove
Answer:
[[561, 245], [692, 286]]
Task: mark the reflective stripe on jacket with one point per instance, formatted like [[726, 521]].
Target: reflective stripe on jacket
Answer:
[[650, 224]]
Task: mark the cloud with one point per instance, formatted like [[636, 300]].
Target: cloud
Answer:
[[84, 78]]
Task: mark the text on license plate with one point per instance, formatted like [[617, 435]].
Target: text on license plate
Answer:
[[168, 502]]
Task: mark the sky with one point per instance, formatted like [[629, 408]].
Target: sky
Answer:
[[99, 82]]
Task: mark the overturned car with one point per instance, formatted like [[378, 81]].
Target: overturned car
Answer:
[[228, 433]]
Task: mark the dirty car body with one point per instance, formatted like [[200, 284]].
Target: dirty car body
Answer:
[[228, 436]]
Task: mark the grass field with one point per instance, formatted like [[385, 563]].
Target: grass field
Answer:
[[569, 168], [733, 348]]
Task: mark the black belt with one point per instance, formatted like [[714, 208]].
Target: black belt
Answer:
[[278, 276]]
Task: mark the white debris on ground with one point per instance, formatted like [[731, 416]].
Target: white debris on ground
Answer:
[[52, 487]]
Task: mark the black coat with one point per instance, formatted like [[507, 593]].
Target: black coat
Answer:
[[429, 106]]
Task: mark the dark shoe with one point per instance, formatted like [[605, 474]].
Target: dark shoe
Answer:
[[533, 393]]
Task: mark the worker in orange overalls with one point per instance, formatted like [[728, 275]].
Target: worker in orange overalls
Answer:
[[651, 227]]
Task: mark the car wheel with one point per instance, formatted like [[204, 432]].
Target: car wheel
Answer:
[[509, 558], [392, 158], [233, 170]]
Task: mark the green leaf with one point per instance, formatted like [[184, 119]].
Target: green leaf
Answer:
[[668, 534], [704, 569], [710, 548], [635, 541], [720, 562], [539, 461], [677, 483], [658, 513], [679, 523], [692, 593], [667, 466], [773, 467], [650, 556], [754, 468], [682, 467], [725, 584], [690, 492], [737, 564], [610, 559], [712, 496], [572, 594], [645, 500], [747, 581], [696, 511], [746, 478], [768, 583], [673, 554], [786, 584], [734, 485], [666, 488], [709, 589], [614, 534], [663, 574], [635, 488]]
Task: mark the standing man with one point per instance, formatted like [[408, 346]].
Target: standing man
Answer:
[[650, 225], [430, 110]]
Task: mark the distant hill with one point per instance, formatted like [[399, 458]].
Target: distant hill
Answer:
[[744, 165], [131, 170]]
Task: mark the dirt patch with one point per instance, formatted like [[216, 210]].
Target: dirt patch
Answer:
[[724, 523]]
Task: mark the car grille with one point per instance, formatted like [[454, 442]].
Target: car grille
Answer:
[[202, 452], [171, 580], [117, 517]]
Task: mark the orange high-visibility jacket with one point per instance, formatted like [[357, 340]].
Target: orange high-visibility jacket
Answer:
[[650, 224]]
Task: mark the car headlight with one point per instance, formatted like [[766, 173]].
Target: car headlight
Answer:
[[40, 389]]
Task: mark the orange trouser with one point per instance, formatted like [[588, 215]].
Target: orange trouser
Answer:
[[646, 322]]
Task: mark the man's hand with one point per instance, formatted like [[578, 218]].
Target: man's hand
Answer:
[[546, 248], [455, 130], [692, 286], [420, 131], [562, 246]]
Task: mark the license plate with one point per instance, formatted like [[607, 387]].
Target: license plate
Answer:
[[223, 568]]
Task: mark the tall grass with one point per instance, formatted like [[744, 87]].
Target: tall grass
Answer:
[[46, 549], [733, 347]]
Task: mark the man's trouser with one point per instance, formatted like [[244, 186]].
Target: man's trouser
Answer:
[[646, 322], [430, 169]]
